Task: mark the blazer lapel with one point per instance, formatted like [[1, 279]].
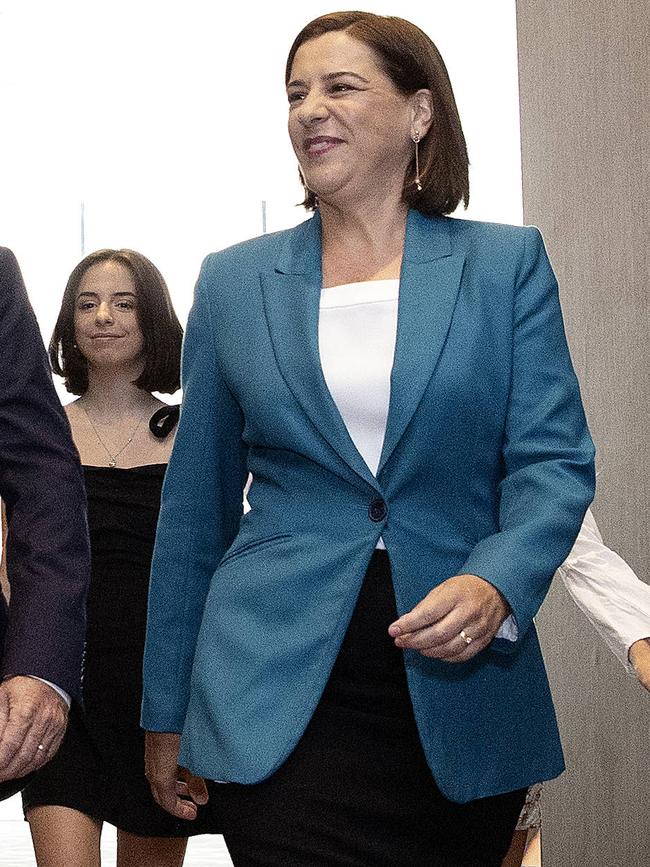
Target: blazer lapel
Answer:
[[292, 303], [429, 283]]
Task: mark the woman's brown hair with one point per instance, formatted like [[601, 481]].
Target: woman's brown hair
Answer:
[[412, 62], [158, 323]]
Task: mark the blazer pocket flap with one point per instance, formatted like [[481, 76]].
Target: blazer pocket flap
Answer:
[[255, 545]]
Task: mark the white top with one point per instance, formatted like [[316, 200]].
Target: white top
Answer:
[[356, 333], [357, 329]]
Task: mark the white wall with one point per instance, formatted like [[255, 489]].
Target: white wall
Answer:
[[168, 121]]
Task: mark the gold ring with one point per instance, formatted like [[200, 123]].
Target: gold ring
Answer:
[[466, 638]]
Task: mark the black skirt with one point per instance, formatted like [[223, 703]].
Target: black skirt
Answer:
[[357, 789]]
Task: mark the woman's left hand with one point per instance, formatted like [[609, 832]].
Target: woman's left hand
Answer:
[[639, 656], [173, 787], [461, 608]]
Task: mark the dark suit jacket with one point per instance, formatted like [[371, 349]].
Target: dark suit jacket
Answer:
[[41, 484]]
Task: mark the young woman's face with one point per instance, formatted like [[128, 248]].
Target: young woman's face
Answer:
[[349, 125], [107, 331]]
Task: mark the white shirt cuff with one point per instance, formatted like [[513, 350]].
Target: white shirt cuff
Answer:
[[508, 629], [64, 695]]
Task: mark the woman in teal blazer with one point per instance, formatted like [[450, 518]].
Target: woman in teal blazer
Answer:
[[485, 472]]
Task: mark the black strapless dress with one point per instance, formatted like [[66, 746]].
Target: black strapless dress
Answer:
[[99, 769]]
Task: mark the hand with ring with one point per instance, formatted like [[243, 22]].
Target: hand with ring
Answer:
[[33, 718], [454, 622]]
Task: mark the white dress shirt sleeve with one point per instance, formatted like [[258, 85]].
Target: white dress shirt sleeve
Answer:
[[607, 591], [64, 695]]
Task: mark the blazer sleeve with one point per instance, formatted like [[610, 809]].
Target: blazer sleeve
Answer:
[[548, 454], [202, 504], [41, 483]]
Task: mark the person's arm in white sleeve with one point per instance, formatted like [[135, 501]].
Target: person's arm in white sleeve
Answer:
[[607, 591]]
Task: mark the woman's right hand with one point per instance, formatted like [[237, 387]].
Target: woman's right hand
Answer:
[[176, 789], [639, 656]]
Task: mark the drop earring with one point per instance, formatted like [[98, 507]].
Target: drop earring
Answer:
[[416, 142]]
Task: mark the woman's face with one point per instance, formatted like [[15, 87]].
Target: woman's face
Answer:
[[349, 125], [106, 326]]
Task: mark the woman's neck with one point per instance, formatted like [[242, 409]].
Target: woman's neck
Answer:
[[364, 243], [111, 396]]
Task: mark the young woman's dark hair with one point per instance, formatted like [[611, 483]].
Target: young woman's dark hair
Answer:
[[160, 328], [412, 62]]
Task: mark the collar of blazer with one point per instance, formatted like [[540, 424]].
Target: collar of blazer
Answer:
[[429, 283]]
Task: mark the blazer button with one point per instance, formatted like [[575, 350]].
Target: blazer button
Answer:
[[377, 510]]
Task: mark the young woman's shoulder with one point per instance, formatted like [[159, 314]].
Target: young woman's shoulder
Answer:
[[72, 411]]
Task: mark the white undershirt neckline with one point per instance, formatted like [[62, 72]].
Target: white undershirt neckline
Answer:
[[360, 292], [357, 331]]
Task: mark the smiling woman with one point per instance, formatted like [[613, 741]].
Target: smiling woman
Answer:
[[365, 94], [106, 321], [111, 294], [117, 338], [366, 676], [350, 126]]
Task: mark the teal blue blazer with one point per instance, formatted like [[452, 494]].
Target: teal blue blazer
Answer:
[[487, 468]]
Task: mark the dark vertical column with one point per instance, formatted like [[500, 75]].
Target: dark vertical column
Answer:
[[584, 90]]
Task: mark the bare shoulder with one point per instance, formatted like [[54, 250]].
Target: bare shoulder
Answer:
[[74, 413], [72, 408], [81, 433]]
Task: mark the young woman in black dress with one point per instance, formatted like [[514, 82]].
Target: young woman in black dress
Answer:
[[116, 340]]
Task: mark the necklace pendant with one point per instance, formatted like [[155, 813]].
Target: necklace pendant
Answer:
[[112, 463]]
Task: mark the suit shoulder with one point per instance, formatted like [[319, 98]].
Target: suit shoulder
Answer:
[[480, 231], [12, 288], [8, 264], [254, 253], [497, 246]]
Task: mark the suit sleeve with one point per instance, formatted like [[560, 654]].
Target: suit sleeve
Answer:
[[48, 559], [548, 454], [202, 504]]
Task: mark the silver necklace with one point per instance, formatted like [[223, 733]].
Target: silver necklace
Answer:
[[113, 457]]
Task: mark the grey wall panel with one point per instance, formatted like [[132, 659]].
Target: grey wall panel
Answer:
[[584, 90]]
